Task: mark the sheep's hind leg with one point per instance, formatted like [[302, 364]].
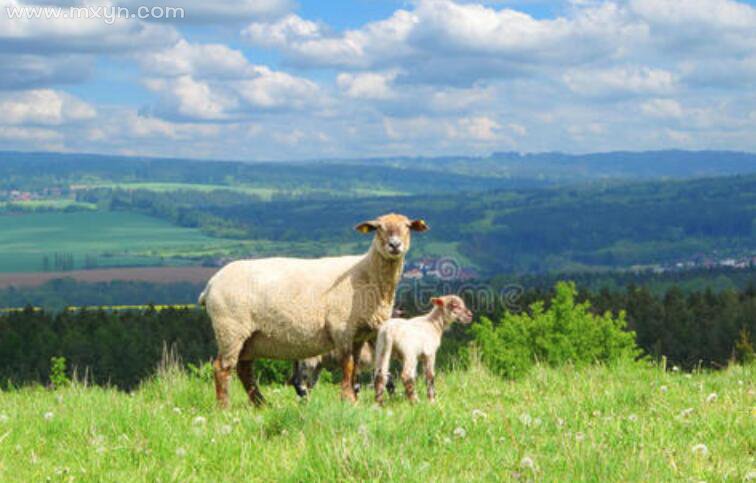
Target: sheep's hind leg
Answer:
[[245, 370], [222, 375]]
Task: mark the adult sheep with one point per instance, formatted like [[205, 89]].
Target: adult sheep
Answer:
[[292, 308]]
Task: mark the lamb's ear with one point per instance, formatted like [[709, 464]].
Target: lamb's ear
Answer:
[[367, 226], [437, 301], [419, 225]]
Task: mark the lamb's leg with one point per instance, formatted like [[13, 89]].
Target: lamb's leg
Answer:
[[382, 356], [430, 375], [245, 370], [409, 371], [347, 383], [222, 375]]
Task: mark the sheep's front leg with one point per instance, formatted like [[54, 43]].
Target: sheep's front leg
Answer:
[[409, 371], [430, 376], [348, 367]]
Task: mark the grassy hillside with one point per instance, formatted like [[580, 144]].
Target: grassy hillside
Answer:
[[625, 423], [112, 238]]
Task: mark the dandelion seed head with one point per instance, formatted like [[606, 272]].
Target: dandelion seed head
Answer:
[[700, 449], [675, 369], [527, 463], [460, 432], [632, 417], [664, 389], [478, 414], [526, 419], [199, 421], [686, 412], [48, 416], [711, 397]]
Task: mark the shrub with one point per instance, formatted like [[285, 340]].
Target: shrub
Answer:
[[566, 332], [58, 377]]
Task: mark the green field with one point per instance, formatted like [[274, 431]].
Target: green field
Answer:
[[115, 238], [263, 192], [626, 423]]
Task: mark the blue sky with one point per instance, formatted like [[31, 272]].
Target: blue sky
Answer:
[[278, 79]]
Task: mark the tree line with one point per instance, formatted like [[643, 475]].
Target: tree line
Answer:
[[123, 347]]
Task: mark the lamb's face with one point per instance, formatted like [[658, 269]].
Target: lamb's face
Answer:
[[454, 308], [392, 233]]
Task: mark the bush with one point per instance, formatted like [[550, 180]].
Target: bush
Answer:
[[566, 332]]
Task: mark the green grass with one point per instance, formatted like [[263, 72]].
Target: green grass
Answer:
[[625, 423], [115, 238]]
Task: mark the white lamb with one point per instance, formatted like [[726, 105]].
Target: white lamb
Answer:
[[414, 340], [290, 308]]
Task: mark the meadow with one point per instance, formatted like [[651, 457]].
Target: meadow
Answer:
[[626, 422], [115, 238]]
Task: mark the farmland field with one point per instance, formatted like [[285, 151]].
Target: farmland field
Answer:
[[113, 238], [630, 422]]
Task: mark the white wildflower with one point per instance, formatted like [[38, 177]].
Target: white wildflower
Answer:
[[526, 419], [48, 416], [560, 422], [596, 413], [447, 440], [460, 432], [478, 414], [632, 417], [527, 463], [537, 422], [199, 421], [3, 418], [700, 449], [225, 429], [675, 369], [664, 389], [711, 397], [237, 420], [177, 410], [686, 412], [688, 376], [750, 476], [579, 436], [180, 452]]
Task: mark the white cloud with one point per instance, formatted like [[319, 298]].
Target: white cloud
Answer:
[[43, 107], [619, 80], [367, 85], [215, 82], [662, 108]]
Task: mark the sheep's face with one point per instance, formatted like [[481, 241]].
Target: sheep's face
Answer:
[[392, 233], [454, 309]]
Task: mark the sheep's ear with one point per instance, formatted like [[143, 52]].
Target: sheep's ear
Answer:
[[419, 225], [367, 226], [437, 301]]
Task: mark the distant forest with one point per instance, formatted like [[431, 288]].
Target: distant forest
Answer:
[[123, 347]]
